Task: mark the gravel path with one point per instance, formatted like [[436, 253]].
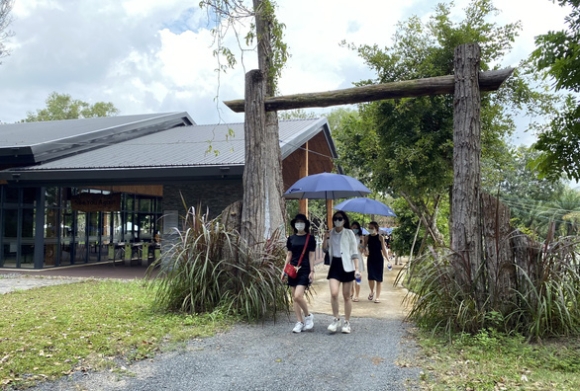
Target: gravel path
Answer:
[[378, 355], [269, 357], [10, 282]]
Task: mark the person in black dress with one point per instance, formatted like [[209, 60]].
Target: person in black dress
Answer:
[[375, 249], [295, 245]]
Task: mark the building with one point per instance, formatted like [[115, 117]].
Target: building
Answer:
[[70, 188]]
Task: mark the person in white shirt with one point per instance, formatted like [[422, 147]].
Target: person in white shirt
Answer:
[[341, 244]]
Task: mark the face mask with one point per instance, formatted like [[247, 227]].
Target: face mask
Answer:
[[338, 223], [300, 226], [372, 231], [355, 230]]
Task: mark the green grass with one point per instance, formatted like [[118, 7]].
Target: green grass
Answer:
[[488, 361], [49, 332]]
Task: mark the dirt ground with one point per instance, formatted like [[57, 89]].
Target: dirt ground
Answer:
[[390, 307]]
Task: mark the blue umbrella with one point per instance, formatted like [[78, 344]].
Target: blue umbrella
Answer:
[[365, 206], [386, 231], [326, 186]]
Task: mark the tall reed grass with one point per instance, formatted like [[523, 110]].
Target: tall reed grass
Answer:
[[205, 267], [542, 300]]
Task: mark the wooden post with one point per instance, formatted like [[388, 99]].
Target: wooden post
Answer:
[[303, 203], [253, 210], [329, 213], [466, 210]]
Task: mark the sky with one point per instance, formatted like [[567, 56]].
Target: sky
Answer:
[[148, 56]]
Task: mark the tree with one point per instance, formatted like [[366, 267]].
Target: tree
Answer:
[[263, 204], [5, 20], [406, 145], [63, 106], [520, 187], [558, 54]]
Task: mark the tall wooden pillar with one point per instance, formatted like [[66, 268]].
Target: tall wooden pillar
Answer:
[[466, 241], [329, 213], [303, 204]]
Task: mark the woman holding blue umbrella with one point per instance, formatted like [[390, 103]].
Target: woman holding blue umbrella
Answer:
[[342, 247], [376, 252]]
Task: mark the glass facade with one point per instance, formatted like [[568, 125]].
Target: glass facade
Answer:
[[68, 235]]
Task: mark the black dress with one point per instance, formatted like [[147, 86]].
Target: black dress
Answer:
[[375, 260], [295, 244]]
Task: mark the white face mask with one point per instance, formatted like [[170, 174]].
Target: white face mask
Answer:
[[338, 223], [355, 230], [300, 226], [372, 231]]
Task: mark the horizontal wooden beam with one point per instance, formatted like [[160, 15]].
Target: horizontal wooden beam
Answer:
[[488, 81]]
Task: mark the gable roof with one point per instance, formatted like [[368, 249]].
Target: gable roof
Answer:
[[35, 142], [177, 153]]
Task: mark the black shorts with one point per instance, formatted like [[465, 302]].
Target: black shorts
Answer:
[[337, 272]]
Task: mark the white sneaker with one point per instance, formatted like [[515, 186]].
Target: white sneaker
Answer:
[[333, 327], [346, 327], [298, 328], [308, 322]]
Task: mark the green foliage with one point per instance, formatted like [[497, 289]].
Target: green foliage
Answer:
[[404, 234], [405, 146], [62, 106], [295, 114], [558, 54], [5, 20], [521, 188], [545, 301], [95, 325], [208, 267], [226, 14]]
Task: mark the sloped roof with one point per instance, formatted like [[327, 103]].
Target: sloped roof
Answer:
[[36, 142], [172, 154]]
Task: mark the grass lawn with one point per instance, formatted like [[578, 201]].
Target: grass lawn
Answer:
[[493, 362], [50, 332]]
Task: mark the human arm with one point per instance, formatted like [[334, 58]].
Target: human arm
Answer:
[[311, 256], [365, 249], [354, 252], [384, 248], [325, 243]]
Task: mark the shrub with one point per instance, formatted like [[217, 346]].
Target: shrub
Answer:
[[543, 302], [207, 266]]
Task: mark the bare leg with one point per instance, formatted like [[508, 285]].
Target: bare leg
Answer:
[[299, 302], [372, 287], [378, 293], [346, 287], [356, 290], [334, 286]]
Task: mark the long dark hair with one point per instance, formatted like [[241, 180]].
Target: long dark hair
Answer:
[[344, 216]]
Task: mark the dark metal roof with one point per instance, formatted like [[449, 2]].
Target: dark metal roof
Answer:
[[172, 154], [35, 142]]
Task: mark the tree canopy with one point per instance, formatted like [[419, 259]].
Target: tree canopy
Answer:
[[63, 106], [558, 54], [5, 20], [405, 146]]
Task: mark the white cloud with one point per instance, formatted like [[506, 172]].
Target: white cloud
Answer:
[[156, 56]]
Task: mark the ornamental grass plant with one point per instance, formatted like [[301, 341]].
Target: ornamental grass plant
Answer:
[[206, 266], [543, 302]]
